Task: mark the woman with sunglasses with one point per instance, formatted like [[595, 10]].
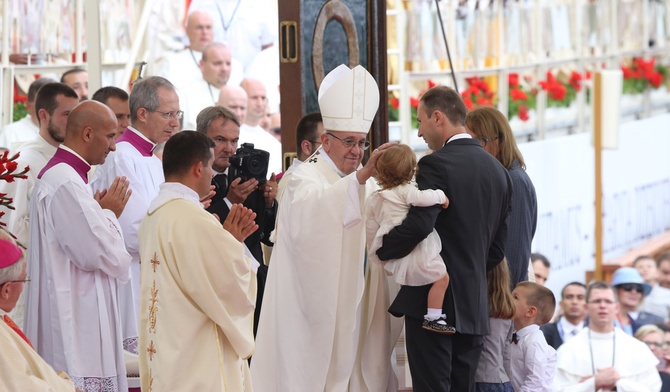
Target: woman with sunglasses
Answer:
[[631, 289]]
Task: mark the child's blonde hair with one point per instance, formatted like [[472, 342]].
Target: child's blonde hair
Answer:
[[395, 166], [501, 303]]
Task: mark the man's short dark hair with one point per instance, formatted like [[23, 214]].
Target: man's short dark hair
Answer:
[[447, 101], [71, 72], [46, 97], [35, 86], [105, 93], [539, 256], [599, 285], [663, 257], [580, 284], [307, 128], [145, 94], [184, 150], [207, 115]]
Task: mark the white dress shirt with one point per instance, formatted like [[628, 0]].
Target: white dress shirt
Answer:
[[567, 329], [532, 362]]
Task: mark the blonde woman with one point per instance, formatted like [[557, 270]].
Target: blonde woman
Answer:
[[491, 375]]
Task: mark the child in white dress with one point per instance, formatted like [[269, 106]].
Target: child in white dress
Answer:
[[387, 208]]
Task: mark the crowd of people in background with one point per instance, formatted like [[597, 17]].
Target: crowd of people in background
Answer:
[[146, 256]]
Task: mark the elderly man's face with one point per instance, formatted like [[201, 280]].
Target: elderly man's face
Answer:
[[163, 122], [347, 159], [14, 289], [225, 134]]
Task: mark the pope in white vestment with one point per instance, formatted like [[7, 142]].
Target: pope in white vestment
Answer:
[[319, 318], [76, 260], [197, 300], [632, 359]]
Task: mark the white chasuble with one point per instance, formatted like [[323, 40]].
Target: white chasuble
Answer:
[[310, 324], [197, 299], [76, 260]]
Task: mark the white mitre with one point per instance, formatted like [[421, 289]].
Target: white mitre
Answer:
[[349, 99]]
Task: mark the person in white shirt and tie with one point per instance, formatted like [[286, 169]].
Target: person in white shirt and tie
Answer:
[[573, 310]]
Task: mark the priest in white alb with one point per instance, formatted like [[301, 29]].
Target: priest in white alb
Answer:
[[198, 288], [602, 357], [77, 257], [154, 117], [313, 324]]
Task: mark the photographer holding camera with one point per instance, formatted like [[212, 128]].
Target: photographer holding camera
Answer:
[[240, 179]]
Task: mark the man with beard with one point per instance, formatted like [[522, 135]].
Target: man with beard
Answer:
[[53, 104], [154, 117]]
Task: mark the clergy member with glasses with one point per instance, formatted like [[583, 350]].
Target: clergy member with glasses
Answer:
[[316, 317], [630, 290], [602, 357], [154, 117]]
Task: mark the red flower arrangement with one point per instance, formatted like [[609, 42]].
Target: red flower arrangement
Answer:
[[8, 167], [561, 90], [520, 101], [20, 110], [477, 94], [394, 104], [639, 74]]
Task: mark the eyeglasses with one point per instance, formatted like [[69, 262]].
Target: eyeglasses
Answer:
[[602, 301], [26, 281], [349, 143], [315, 141], [631, 287], [654, 344], [168, 115], [483, 141]]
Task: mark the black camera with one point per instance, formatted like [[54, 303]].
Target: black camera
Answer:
[[249, 162]]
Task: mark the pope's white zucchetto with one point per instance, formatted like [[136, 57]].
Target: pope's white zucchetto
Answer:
[[348, 99]]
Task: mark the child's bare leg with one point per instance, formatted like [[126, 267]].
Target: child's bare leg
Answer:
[[435, 320], [437, 292]]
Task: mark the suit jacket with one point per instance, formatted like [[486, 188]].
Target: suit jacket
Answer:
[[473, 231], [265, 217], [552, 335], [644, 318]]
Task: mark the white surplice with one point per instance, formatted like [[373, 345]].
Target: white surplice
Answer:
[[145, 174], [633, 361], [35, 154], [76, 259], [21, 369], [262, 140], [310, 327], [194, 97], [17, 132], [198, 296]]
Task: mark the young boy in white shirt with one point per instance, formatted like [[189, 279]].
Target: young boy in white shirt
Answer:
[[532, 362]]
